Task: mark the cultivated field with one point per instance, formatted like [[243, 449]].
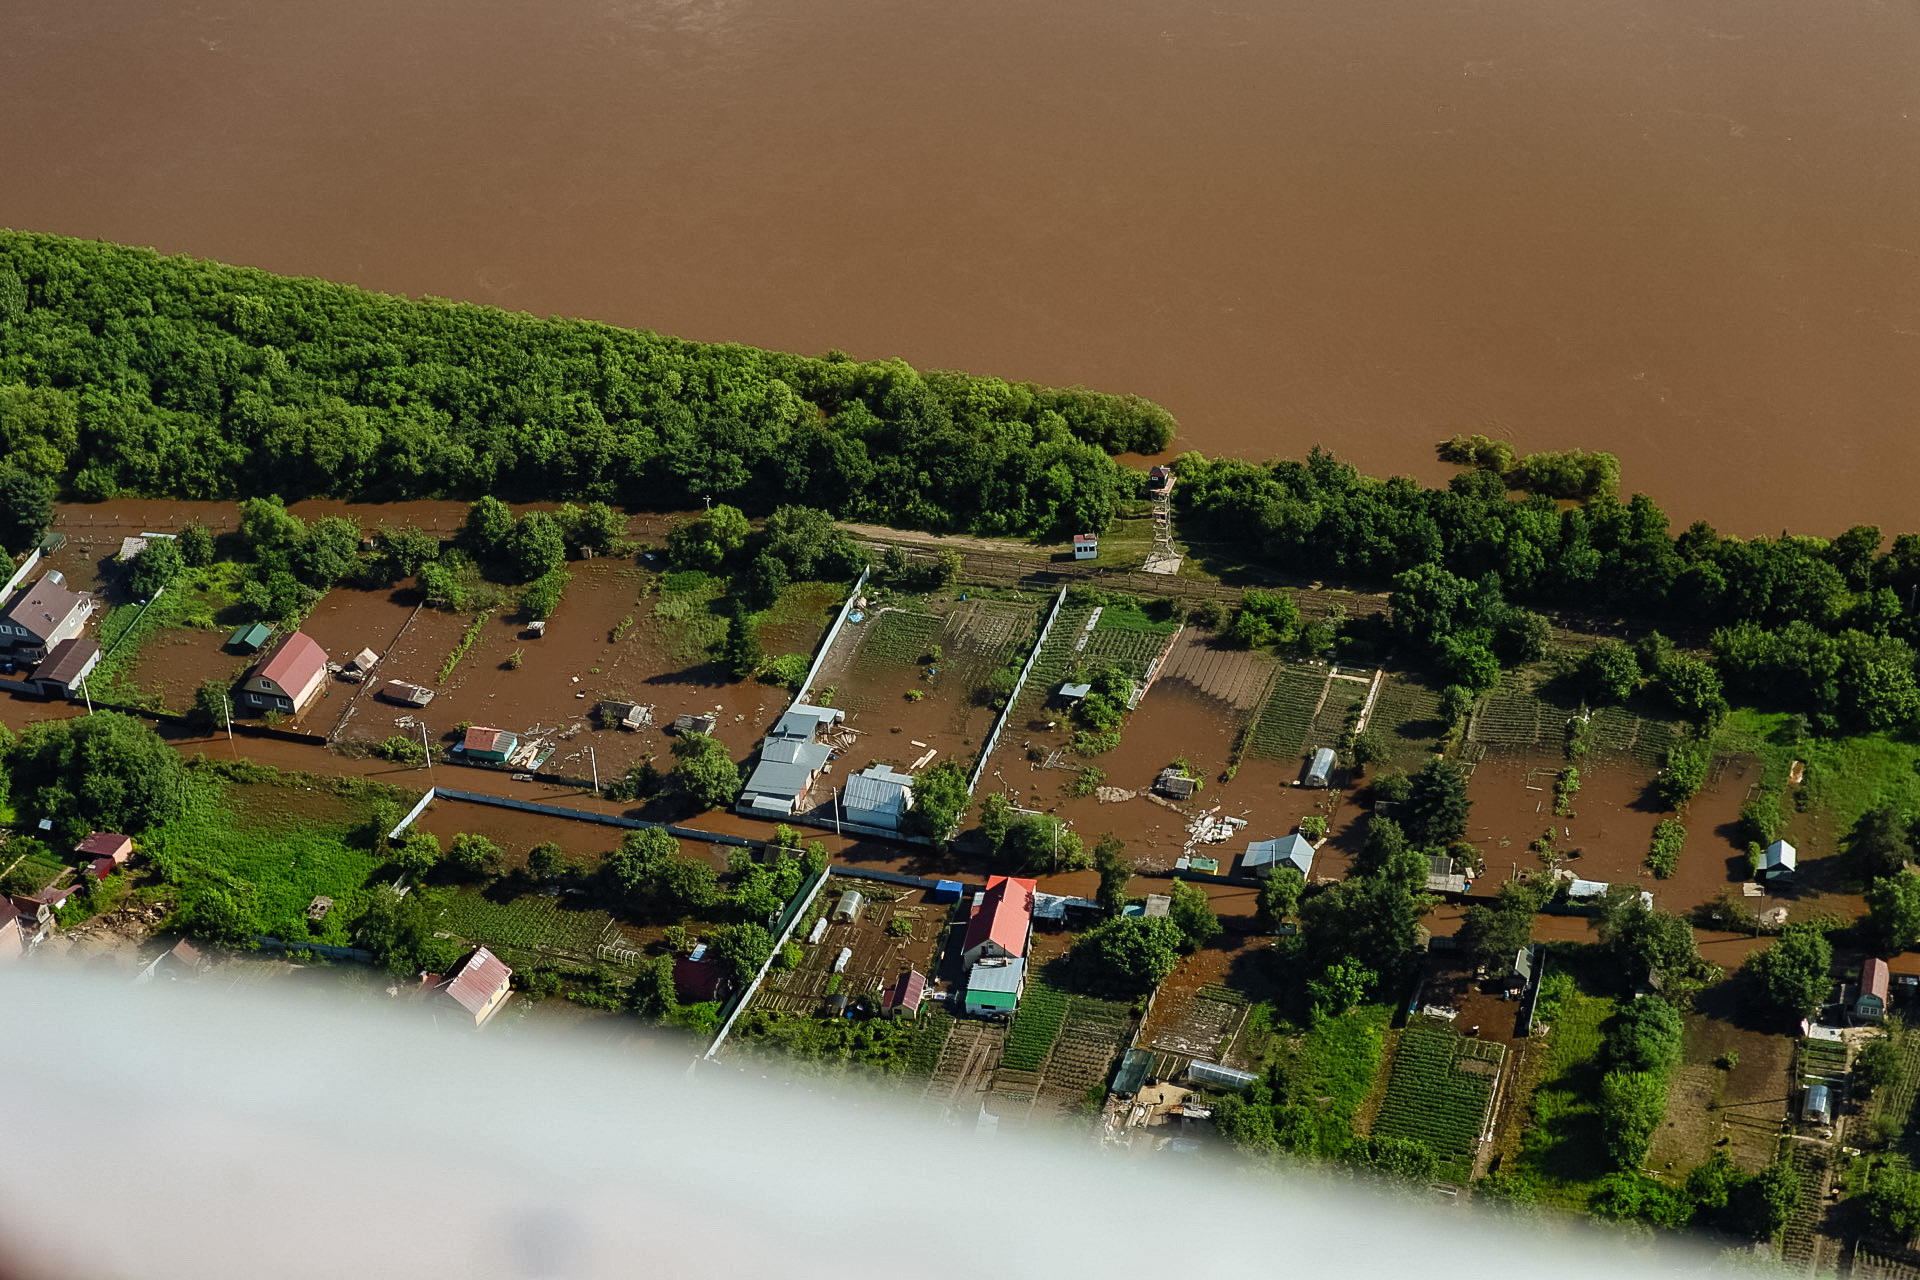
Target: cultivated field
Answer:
[[1439, 1092]]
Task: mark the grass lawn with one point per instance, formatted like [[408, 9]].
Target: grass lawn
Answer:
[[278, 843], [1845, 777], [195, 599], [1563, 1145], [1331, 1069]]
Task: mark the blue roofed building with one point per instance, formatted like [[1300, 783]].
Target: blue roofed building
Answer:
[[1263, 857]]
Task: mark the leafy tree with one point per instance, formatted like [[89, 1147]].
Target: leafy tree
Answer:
[[1128, 954], [1192, 910], [1370, 748], [1644, 1036], [810, 544], [473, 857], [1761, 1205], [222, 917], [266, 525], [706, 772], [1406, 1159], [706, 543], [405, 552], [1280, 896], [1372, 919], [996, 819], [1041, 842], [1877, 1064], [1465, 663], [195, 545], [1340, 986], [652, 994], [1881, 843], [1632, 1104], [743, 653], [1692, 687], [543, 594], [1520, 636], [536, 547], [1685, 772], [400, 930], [545, 862], [1642, 939], [152, 569], [1263, 618], [1456, 704], [489, 526], [103, 772], [1494, 935], [1892, 1204], [939, 799], [743, 948], [328, 553], [641, 858], [1435, 812], [1609, 672], [26, 508], [418, 854], [1893, 910], [1791, 976], [1109, 859], [766, 578], [595, 527]]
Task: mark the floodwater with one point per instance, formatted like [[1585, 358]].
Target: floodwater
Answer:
[[1683, 232]]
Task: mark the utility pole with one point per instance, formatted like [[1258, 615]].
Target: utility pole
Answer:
[[226, 704], [87, 695], [595, 762], [426, 748], [836, 811]]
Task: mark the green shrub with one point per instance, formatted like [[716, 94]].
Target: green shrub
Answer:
[[1664, 856]]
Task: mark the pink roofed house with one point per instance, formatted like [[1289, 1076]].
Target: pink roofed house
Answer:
[[479, 984], [1001, 919], [289, 676]]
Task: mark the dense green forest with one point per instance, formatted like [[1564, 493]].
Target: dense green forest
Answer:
[[1822, 625], [125, 371]]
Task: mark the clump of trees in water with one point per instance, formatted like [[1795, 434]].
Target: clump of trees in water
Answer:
[[124, 371], [1819, 625]]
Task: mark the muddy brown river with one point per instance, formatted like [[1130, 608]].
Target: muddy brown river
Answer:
[[1687, 232]]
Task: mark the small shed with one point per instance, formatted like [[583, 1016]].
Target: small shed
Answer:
[[848, 908], [903, 998], [1074, 692], [1871, 1004], [1819, 1105], [130, 548], [1779, 860], [1086, 546], [362, 663], [694, 724], [946, 891], [406, 693], [836, 1005], [494, 745], [994, 986], [1174, 784], [698, 981], [1158, 904], [106, 844], [251, 638], [1320, 772]]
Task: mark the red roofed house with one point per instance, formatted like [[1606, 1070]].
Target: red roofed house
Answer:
[[698, 981], [479, 984], [1871, 1004], [1001, 920], [903, 1001], [106, 844], [289, 677], [485, 743]]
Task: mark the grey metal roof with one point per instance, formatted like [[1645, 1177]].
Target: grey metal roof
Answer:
[[997, 977], [1295, 850], [879, 790], [1780, 854], [802, 721]]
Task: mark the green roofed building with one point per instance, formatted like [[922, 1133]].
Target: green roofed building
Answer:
[[993, 987], [249, 639]]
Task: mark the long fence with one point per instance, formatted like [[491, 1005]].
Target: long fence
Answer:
[[782, 931], [570, 815], [993, 738], [833, 633]]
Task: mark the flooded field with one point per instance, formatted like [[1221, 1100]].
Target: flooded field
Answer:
[[881, 951]]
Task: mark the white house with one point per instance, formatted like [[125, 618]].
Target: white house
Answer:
[[1086, 546], [42, 616]]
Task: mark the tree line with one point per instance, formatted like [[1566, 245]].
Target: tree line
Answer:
[[1820, 625], [125, 371]]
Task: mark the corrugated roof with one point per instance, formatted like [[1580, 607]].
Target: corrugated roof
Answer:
[[879, 790], [1003, 917], [1214, 1073], [68, 660], [296, 662], [906, 992], [1873, 978], [105, 844], [1780, 854], [485, 738], [1002, 976], [1294, 849], [479, 979]]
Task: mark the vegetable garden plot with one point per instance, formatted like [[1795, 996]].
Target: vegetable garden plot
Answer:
[[1409, 715], [1438, 1094], [532, 921], [1056, 658], [1085, 1049], [1280, 730], [1132, 651], [1035, 1024]]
